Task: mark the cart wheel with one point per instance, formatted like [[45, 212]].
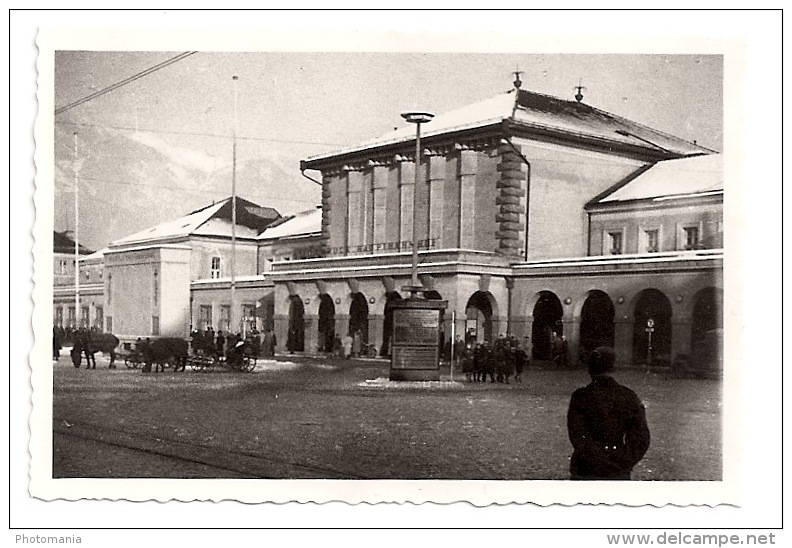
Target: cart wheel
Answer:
[[129, 364], [248, 364]]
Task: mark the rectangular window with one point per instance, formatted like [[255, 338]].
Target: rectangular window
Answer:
[[215, 268], [155, 328], [615, 243], [109, 324], [59, 317], [62, 268], [652, 240], [99, 318], [691, 235], [249, 316], [85, 317], [205, 316], [225, 318], [72, 319]]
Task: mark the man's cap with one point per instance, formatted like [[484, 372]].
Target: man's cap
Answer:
[[602, 360]]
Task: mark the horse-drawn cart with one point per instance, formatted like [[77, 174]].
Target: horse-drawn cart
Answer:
[[238, 358]]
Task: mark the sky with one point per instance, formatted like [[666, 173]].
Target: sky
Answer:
[[161, 146]]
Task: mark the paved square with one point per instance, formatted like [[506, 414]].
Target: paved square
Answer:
[[310, 418]]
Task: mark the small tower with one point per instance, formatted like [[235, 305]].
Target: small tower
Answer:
[[579, 88]]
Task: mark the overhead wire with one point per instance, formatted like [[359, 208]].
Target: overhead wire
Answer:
[[196, 134], [124, 82], [166, 187]]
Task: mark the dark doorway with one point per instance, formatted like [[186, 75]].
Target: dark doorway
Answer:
[[547, 314], [707, 314], [653, 305], [326, 323], [596, 323], [295, 341], [358, 317], [387, 326], [478, 312]]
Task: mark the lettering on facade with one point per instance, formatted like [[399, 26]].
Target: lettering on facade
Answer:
[[404, 245]]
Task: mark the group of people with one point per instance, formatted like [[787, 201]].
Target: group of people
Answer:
[[499, 361], [350, 346]]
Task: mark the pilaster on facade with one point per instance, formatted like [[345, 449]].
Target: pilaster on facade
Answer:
[[407, 186], [437, 174], [327, 207], [512, 203], [468, 167]]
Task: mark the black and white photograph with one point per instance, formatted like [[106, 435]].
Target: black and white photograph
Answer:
[[374, 274]]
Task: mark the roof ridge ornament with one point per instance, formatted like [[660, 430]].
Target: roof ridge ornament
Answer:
[[579, 88], [517, 86], [517, 81]]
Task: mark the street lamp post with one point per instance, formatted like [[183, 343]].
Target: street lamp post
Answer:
[[417, 118], [415, 355]]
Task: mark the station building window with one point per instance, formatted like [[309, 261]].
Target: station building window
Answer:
[[99, 317], [215, 271], [689, 236], [614, 242], [225, 318], [650, 240], [205, 316]]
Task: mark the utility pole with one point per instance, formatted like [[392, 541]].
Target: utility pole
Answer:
[[76, 237], [232, 312]]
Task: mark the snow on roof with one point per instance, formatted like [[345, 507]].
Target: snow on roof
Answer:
[[211, 220], [183, 226], [674, 178], [541, 112], [299, 224], [62, 243], [96, 254]]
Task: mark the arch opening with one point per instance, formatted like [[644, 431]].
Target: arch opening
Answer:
[[596, 323], [326, 323], [387, 325], [295, 341], [478, 312], [707, 314], [652, 304], [547, 325], [358, 317]]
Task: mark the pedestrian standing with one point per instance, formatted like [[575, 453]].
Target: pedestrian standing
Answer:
[[56, 344], [606, 423], [220, 344], [348, 341], [357, 344], [338, 350]]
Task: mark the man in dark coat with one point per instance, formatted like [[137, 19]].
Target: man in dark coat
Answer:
[[56, 343], [606, 423]]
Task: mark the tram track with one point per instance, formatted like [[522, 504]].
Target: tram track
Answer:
[[254, 466]]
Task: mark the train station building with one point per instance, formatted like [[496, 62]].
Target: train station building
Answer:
[[536, 216]]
